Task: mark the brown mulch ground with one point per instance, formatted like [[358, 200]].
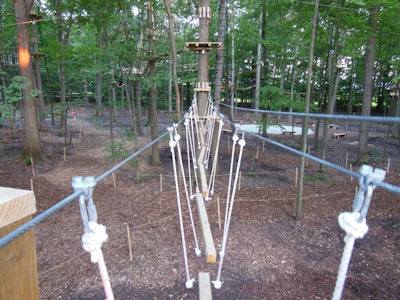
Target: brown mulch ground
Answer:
[[269, 254]]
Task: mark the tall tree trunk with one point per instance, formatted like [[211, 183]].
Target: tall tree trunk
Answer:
[[62, 39], [258, 70], [155, 157], [32, 144], [174, 56], [219, 65], [331, 94], [38, 77], [202, 75], [368, 84], [299, 209], [99, 75]]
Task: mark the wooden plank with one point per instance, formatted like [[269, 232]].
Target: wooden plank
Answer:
[[18, 271], [211, 253], [205, 292], [334, 126], [15, 204], [339, 135], [202, 172]]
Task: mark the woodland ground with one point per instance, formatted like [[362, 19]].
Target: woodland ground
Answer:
[[269, 254]]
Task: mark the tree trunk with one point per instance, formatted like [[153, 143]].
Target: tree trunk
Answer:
[[174, 57], [32, 144], [368, 84], [299, 208], [99, 75], [202, 75], [38, 76], [155, 157], [219, 65]]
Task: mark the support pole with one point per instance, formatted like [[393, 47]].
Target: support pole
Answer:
[[18, 271]]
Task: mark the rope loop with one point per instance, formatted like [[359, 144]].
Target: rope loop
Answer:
[[94, 239]]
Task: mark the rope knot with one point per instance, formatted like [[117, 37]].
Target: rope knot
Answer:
[[348, 221], [93, 240]]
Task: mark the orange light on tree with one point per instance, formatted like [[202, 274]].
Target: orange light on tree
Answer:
[[24, 57]]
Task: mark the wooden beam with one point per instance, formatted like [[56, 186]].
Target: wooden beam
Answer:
[[205, 292], [211, 253], [18, 272], [202, 172]]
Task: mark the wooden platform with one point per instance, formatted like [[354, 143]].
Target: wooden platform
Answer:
[[333, 126], [205, 292]]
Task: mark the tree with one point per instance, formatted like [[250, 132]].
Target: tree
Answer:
[[32, 144], [368, 83]]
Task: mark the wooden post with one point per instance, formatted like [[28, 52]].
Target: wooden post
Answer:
[[308, 152], [161, 182], [263, 146], [219, 213], [351, 169], [296, 176], [240, 180], [129, 242], [31, 184], [18, 271], [257, 153], [347, 159], [388, 166], [64, 153], [33, 167]]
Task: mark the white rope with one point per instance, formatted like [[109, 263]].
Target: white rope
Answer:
[[177, 139], [92, 242], [214, 166], [193, 152], [217, 283], [348, 221], [172, 144]]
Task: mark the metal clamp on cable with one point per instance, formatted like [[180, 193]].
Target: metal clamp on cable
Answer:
[[88, 211], [369, 176]]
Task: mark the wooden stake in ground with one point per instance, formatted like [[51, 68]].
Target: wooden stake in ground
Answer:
[[308, 152], [31, 184], [388, 166], [64, 153], [161, 182], [240, 180], [219, 213], [296, 176], [33, 167], [257, 153], [263, 146], [347, 159], [129, 242], [351, 169]]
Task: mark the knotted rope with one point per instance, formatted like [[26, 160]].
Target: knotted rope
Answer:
[[354, 223]]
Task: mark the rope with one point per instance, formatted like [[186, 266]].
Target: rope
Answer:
[[214, 166], [217, 283], [177, 139], [92, 241], [172, 144], [322, 116], [354, 223]]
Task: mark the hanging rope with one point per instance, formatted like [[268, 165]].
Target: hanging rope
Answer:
[[94, 234], [217, 283], [172, 144], [354, 223], [177, 139]]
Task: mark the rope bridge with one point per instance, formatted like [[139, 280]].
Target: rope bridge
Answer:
[[201, 135]]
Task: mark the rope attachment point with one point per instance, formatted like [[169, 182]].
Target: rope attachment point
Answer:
[[354, 223]]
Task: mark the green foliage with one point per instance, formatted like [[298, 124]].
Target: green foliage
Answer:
[[318, 177]]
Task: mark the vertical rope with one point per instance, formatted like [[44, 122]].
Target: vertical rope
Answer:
[[217, 283], [172, 144]]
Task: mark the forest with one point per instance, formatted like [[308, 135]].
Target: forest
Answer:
[[133, 55]]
